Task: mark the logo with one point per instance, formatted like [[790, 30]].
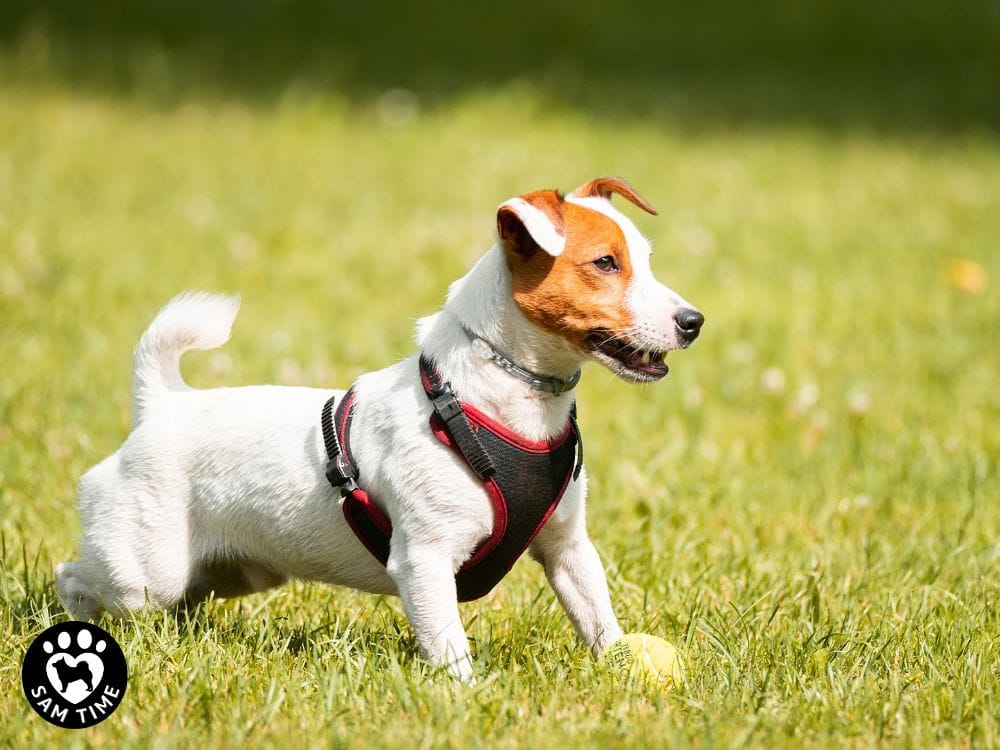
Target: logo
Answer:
[[74, 675]]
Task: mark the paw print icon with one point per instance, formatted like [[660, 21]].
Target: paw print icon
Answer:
[[74, 675]]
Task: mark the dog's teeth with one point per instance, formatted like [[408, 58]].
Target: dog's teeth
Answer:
[[645, 357]]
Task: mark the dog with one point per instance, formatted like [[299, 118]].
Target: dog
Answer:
[[69, 673], [229, 491]]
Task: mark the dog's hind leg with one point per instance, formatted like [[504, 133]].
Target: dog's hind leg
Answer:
[[119, 569]]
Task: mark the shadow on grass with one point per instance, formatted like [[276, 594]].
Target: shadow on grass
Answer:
[[923, 65], [383, 631]]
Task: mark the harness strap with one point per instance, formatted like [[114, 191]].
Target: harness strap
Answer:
[[525, 480], [579, 443], [447, 407], [340, 471]]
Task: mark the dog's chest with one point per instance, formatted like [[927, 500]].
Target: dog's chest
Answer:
[[523, 479]]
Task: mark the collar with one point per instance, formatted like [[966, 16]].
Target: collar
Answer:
[[552, 385]]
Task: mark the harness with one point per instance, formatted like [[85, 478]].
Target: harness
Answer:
[[525, 479]]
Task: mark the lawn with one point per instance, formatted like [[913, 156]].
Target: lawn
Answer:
[[807, 506]]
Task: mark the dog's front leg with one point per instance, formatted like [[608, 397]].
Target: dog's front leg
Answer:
[[426, 581], [576, 574]]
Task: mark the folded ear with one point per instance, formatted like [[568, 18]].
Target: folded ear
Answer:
[[532, 221], [603, 187]]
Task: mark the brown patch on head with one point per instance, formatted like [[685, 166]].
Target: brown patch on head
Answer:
[[569, 295]]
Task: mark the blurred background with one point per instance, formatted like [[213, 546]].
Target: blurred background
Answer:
[[828, 181], [915, 66]]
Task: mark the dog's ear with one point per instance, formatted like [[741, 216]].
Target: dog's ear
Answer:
[[603, 187], [532, 221]]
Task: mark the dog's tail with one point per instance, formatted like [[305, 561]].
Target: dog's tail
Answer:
[[191, 320]]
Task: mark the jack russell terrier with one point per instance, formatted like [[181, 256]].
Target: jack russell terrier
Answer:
[[427, 479]]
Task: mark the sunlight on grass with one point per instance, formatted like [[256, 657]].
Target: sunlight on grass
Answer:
[[806, 507]]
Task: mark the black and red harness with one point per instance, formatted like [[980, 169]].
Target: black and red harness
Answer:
[[525, 479]]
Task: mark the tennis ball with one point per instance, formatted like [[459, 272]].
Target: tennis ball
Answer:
[[645, 655]]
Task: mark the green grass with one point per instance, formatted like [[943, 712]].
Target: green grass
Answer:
[[807, 506]]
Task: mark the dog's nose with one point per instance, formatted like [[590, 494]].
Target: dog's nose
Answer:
[[689, 324]]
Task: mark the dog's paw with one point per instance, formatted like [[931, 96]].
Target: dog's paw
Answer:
[[79, 597]]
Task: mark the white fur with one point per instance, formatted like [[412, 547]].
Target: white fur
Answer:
[[192, 320], [224, 489]]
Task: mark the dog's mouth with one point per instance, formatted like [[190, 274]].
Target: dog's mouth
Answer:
[[625, 359]]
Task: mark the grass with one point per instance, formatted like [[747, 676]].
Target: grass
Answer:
[[807, 506]]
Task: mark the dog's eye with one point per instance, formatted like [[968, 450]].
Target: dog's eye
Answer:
[[607, 264]]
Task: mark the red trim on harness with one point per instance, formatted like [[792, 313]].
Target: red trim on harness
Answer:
[[495, 539], [496, 499], [359, 500], [345, 411], [427, 383], [509, 436], [499, 524], [545, 518], [371, 509]]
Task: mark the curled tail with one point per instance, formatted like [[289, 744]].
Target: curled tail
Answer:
[[191, 320]]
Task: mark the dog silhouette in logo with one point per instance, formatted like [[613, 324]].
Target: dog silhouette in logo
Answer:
[[69, 673]]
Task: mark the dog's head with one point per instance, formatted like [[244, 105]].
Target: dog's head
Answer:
[[580, 270]]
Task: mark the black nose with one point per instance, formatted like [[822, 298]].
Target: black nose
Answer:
[[689, 324]]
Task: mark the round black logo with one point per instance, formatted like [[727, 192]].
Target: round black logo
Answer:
[[74, 675]]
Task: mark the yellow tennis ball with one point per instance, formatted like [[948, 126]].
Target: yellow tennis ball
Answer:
[[645, 655]]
